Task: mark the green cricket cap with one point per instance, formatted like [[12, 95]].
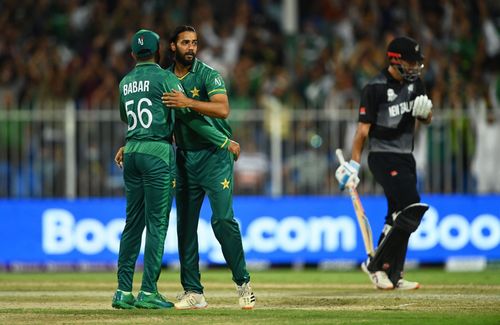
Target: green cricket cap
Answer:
[[144, 43]]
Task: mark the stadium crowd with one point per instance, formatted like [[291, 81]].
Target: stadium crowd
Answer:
[[54, 51]]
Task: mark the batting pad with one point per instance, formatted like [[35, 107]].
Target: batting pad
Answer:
[[406, 221], [409, 218]]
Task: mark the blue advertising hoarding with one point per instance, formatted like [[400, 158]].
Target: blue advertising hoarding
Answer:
[[283, 230]]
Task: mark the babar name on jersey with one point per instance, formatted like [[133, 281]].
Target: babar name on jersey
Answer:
[[136, 87], [399, 109]]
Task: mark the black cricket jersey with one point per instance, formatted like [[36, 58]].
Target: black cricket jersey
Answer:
[[387, 105]]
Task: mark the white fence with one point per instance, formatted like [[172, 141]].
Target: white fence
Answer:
[[69, 153]]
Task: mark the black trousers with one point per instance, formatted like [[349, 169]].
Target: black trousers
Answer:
[[396, 173]]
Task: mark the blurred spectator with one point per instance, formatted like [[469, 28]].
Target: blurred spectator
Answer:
[[54, 52], [75, 46], [223, 49], [241, 92], [9, 87], [251, 170], [421, 156], [276, 101], [307, 170], [483, 108], [487, 147]]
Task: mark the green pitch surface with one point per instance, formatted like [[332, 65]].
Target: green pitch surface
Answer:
[[283, 297]]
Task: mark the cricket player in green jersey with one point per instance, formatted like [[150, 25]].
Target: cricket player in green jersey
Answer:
[[149, 169], [203, 169]]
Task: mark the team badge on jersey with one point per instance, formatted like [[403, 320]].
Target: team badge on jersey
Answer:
[[391, 95], [362, 110], [195, 92]]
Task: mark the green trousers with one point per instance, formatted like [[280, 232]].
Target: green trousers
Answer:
[[208, 171], [149, 189]]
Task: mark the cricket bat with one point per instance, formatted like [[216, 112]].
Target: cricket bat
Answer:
[[364, 225]]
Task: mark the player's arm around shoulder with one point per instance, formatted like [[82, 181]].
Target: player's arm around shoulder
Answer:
[[218, 104], [197, 122], [217, 107], [216, 90]]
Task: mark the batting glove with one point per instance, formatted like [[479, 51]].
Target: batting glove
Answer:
[[422, 106], [347, 175]]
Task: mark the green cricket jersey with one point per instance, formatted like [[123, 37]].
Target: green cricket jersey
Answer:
[[140, 103], [150, 123], [200, 83], [149, 120]]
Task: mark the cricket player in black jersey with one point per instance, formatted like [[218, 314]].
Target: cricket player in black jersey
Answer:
[[391, 104]]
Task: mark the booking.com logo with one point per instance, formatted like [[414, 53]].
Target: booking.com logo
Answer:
[[62, 234]]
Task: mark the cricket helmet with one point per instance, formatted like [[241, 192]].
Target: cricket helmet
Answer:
[[406, 49]]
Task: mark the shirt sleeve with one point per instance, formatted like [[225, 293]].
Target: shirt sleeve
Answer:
[[214, 84], [199, 124], [368, 105]]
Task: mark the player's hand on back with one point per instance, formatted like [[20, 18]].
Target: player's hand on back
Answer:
[[234, 148], [119, 157], [347, 175], [176, 99]]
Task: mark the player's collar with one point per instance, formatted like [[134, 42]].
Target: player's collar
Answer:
[[138, 64], [194, 67]]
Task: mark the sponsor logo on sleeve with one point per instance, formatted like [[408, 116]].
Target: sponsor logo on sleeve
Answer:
[[391, 95]]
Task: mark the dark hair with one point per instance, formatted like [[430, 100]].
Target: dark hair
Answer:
[[156, 55], [145, 58], [180, 29]]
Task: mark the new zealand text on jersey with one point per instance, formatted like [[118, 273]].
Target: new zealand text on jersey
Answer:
[[400, 109], [136, 86]]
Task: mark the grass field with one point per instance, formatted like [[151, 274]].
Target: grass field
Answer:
[[283, 297]]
